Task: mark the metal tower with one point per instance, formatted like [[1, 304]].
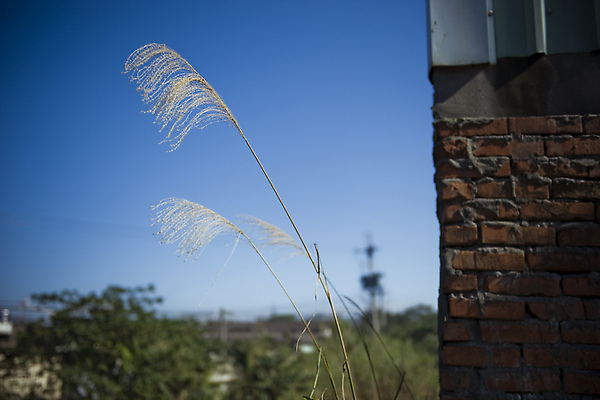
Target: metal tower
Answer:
[[371, 283]]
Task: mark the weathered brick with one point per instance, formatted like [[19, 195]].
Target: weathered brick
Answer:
[[494, 188], [457, 331], [563, 188], [490, 260], [539, 356], [462, 356], [558, 260], [518, 332], [580, 332], [582, 383], [553, 167], [568, 124], [549, 210], [480, 210], [504, 310], [582, 286], [526, 380], [591, 124], [532, 187], [506, 357], [514, 234], [496, 126], [577, 358], [456, 168], [455, 379], [520, 285], [459, 283], [586, 145], [492, 146], [455, 147], [558, 146], [585, 234], [456, 190], [561, 309], [463, 307], [543, 125], [459, 235]]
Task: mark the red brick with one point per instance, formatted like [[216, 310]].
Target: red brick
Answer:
[[562, 309], [454, 379], [508, 146], [527, 146], [582, 383], [494, 188], [554, 167], [480, 210], [543, 125], [457, 331], [529, 381], [517, 332], [568, 124], [496, 126], [490, 260], [580, 332], [461, 356], [459, 235], [539, 356], [563, 261], [581, 234], [532, 187], [451, 190], [591, 124], [506, 357], [514, 234], [585, 286], [463, 307], [504, 310], [559, 146], [575, 189], [520, 285], [492, 146], [588, 358], [445, 128], [459, 283], [557, 211], [456, 168], [451, 148], [586, 145]]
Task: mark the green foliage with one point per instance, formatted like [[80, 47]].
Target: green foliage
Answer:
[[111, 346], [267, 370]]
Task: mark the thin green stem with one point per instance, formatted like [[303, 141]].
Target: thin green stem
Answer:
[[312, 260], [306, 324]]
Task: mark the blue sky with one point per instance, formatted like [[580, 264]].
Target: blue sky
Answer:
[[333, 96]]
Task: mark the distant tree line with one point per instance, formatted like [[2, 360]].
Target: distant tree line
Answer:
[[113, 345]]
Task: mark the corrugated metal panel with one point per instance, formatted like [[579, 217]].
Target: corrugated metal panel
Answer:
[[460, 32], [463, 32]]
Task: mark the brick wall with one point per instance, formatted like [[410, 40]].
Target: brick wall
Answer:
[[519, 213]]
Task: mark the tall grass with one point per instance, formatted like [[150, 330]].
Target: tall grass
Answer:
[[181, 100]]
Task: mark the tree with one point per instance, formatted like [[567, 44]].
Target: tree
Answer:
[[113, 346]]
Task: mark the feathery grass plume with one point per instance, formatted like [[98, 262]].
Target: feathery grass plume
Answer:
[[269, 235], [190, 225], [178, 95]]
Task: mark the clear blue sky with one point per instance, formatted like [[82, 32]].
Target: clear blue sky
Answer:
[[333, 95]]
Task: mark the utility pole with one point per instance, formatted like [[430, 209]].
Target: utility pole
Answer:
[[370, 283]]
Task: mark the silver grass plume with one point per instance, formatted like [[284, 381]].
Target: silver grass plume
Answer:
[[190, 225], [178, 95], [271, 235]]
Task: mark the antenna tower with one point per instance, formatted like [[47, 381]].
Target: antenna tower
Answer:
[[371, 283]]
